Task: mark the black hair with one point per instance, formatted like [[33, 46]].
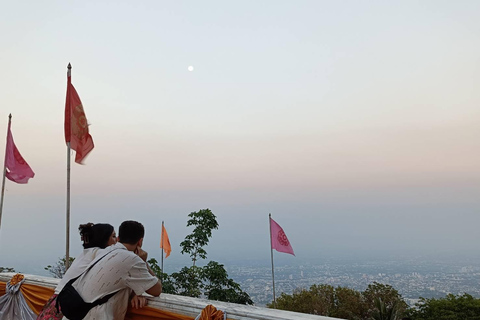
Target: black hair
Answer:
[[130, 232], [95, 235]]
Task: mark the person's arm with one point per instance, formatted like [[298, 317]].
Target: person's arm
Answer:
[[157, 288], [150, 270]]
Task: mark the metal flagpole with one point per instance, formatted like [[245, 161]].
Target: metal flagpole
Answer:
[[67, 252], [161, 242], [4, 171], [271, 252], [67, 245]]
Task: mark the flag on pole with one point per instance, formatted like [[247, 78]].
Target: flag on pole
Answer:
[[279, 238], [165, 242], [17, 169], [76, 126]]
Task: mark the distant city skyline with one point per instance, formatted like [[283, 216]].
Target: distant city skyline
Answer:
[[412, 279]]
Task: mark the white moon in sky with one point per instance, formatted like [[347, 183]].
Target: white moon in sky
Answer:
[[190, 68]]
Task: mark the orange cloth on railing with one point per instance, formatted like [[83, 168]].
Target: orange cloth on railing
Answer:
[[37, 296], [211, 313]]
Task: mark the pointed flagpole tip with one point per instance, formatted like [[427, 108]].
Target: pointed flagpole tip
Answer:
[[10, 116], [69, 66]]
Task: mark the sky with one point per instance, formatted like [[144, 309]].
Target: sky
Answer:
[[354, 123]]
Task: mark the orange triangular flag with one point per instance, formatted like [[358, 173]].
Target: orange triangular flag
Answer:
[[165, 242]]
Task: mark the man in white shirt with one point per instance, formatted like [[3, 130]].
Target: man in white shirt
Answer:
[[122, 270]]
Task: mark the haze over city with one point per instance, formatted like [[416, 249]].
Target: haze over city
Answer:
[[355, 124]]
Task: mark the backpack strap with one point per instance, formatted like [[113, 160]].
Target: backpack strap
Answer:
[[91, 266], [102, 300], [98, 301]]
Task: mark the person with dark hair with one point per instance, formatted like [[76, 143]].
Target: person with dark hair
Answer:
[[99, 235], [131, 232], [123, 272], [94, 237]]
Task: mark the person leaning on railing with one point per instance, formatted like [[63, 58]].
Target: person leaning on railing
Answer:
[[94, 237]]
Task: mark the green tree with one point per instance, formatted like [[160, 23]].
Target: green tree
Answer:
[[319, 300], [322, 298], [452, 307], [325, 300], [167, 282], [349, 304], [345, 303], [385, 313], [189, 281], [204, 221], [388, 296], [211, 280], [219, 287], [58, 270], [6, 269]]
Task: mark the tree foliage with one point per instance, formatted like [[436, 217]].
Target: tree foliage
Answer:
[[167, 283], [204, 221], [377, 302], [389, 298], [452, 307], [324, 299], [210, 281], [383, 312], [346, 303], [189, 281], [6, 269], [219, 287], [349, 304], [58, 270]]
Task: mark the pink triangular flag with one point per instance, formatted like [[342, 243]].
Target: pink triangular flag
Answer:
[[279, 238], [18, 169]]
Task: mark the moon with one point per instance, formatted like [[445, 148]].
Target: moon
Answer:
[[190, 68]]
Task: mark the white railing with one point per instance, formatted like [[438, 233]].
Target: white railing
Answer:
[[193, 306]]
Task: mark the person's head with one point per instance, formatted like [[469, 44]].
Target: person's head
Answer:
[[131, 232], [99, 235]]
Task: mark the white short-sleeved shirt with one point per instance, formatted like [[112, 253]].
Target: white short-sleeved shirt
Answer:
[[120, 269], [78, 266]]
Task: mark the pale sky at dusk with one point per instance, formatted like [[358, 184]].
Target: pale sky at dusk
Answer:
[[355, 123]]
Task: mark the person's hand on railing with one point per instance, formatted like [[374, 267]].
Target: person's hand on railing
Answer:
[[138, 302]]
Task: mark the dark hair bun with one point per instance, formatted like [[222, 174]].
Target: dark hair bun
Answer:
[[85, 233]]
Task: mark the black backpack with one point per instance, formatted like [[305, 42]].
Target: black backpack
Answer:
[[71, 304]]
